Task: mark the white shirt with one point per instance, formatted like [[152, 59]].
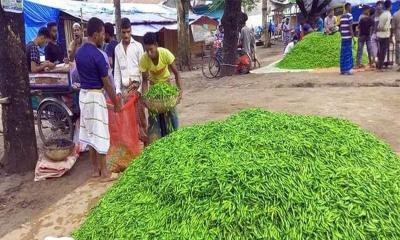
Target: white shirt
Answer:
[[127, 65], [288, 48], [384, 25]]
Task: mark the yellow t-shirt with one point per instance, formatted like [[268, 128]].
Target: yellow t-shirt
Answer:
[[161, 71]]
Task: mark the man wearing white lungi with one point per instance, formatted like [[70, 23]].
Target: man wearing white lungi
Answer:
[[93, 73]]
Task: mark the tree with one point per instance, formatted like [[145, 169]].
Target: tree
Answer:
[[310, 8], [182, 7], [117, 7], [230, 21], [248, 5], [267, 42], [20, 149]]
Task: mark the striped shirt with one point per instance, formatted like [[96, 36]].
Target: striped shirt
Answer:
[[346, 22]]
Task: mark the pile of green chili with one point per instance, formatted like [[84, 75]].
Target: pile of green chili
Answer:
[[256, 175], [316, 50]]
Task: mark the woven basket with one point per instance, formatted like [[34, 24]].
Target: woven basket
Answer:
[[58, 149], [161, 105]]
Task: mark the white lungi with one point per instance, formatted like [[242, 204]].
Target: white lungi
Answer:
[[94, 120]]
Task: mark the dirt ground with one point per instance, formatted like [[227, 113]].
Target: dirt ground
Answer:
[[56, 207]]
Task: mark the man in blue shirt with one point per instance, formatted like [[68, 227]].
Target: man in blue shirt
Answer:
[[93, 74]]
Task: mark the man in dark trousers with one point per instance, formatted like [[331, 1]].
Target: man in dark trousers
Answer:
[[364, 36], [384, 34]]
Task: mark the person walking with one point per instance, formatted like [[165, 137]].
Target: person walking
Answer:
[[384, 33], [94, 76], [346, 31], [286, 33], [364, 36]]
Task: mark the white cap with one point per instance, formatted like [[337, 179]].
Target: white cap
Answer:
[[76, 25]]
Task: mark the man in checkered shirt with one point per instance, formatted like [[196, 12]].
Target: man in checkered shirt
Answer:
[[33, 55]]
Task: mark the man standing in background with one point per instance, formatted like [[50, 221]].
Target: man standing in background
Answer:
[[53, 52], [384, 33], [33, 54], [396, 32], [111, 43], [127, 75], [346, 32], [364, 36], [76, 42], [245, 37]]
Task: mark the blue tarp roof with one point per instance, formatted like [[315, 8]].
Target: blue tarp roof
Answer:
[[146, 17]]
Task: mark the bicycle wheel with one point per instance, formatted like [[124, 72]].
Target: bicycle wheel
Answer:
[[54, 122], [211, 68]]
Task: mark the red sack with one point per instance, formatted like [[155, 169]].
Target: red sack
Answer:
[[124, 136]]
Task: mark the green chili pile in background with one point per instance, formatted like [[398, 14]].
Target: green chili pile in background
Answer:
[[256, 175], [316, 50]]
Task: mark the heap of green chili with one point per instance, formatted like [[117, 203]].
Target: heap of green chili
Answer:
[[256, 175], [316, 50]]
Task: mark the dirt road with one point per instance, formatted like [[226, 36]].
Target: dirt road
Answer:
[[369, 99]]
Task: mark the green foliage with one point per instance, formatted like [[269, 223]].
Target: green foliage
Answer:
[[256, 175], [316, 50], [161, 90]]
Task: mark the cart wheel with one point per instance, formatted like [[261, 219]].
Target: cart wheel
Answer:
[[54, 122], [211, 67]]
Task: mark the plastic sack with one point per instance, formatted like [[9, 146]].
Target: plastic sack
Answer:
[[124, 136]]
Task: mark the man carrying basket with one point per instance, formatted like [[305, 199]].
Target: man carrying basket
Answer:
[[156, 64]]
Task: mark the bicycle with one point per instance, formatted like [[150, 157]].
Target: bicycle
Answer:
[[211, 67]]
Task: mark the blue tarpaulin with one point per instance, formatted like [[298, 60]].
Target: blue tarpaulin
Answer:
[[37, 16]]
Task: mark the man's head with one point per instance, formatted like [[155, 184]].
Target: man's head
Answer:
[[221, 28], [331, 13], [150, 44], [379, 6], [347, 7], [388, 5], [77, 30], [126, 30], [95, 29], [287, 20], [42, 36], [109, 32], [52, 27], [366, 10]]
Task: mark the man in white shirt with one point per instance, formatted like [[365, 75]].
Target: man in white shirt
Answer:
[[330, 23], [384, 34], [127, 76]]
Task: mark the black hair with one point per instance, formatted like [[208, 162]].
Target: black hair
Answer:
[[109, 28], [387, 4], [347, 5], [51, 24], [379, 3], [372, 12], [365, 8], [94, 25], [150, 38], [44, 32], [125, 23]]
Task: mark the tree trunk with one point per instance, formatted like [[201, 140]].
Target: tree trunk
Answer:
[[267, 40], [117, 11], [182, 7], [20, 150], [230, 22]]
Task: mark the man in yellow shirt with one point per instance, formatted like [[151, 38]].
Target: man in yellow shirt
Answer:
[[156, 65]]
